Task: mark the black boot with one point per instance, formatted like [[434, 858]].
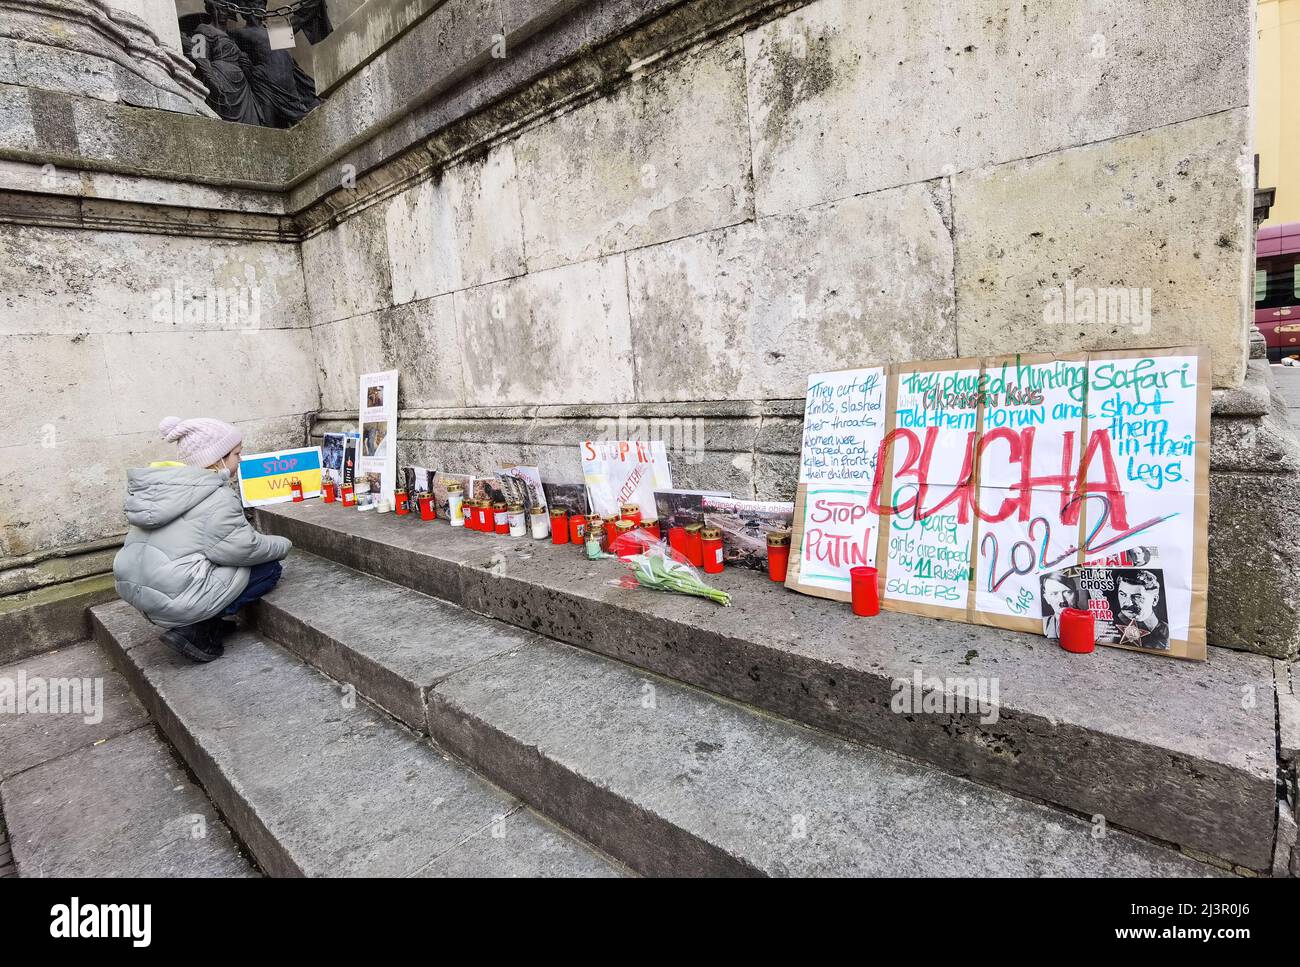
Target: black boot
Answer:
[[198, 642]]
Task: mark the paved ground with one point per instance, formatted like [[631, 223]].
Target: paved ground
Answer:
[[1288, 381]]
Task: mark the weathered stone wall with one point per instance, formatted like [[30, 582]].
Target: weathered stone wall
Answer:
[[95, 349], [832, 184], [844, 183], [554, 216]]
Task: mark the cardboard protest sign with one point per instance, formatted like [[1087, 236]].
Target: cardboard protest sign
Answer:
[[265, 478], [992, 474], [834, 529], [927, 458], [624, 472]]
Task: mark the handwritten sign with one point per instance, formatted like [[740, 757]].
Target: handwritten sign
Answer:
[[929, 450], [991, 474], [264, 478], [835, 529], [619, 472]]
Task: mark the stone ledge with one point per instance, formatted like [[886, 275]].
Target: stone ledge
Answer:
[[1078, 742], [585, 750], [317, 788], [51, 616]]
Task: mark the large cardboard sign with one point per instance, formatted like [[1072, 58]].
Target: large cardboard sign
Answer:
[[265, 478], [995, 481]]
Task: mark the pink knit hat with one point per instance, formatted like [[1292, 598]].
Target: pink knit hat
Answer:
[[200, 442]]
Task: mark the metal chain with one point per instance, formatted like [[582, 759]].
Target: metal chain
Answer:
[[271, 13]]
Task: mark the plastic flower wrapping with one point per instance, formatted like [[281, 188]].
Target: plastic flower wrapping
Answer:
[[658, 567]]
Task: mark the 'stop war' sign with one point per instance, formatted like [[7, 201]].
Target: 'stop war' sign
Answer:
[[968, 482]]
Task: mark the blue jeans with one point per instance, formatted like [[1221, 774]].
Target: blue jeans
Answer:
[[262, 579]]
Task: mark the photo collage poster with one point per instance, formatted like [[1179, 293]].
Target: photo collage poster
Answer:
[[376, 472]]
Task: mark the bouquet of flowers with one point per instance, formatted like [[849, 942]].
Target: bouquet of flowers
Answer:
[[661, 569]]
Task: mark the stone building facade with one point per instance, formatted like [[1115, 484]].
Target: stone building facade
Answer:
[[558, 219]]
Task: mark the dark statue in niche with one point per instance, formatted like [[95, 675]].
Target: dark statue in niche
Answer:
[[247, 80]]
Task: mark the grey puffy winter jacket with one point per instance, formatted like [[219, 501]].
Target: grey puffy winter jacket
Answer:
[[188, 549]]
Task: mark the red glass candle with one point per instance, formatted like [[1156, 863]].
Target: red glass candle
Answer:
[[630, 512], [483, 516], [401, 501], [328, 492], [349, 496], [501, 518], [778, 555], [624, 544], [577, 529], [559, 526], [866, 598], [295, 487], [427, 509], [677, 539], [1077, 631], [651, 527], [694, 548], [711, 549]]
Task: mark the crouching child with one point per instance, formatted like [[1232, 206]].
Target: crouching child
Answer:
[[190, 558]]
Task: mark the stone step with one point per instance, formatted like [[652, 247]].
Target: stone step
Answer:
[[93, 791], [317, 782], [1183, 752], [668, 779]]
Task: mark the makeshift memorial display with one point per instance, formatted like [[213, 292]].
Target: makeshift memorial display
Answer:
[[377, 426], [778, 555], [269, 478], [619, 472], [745, 525], [654, 567], [966, 481]]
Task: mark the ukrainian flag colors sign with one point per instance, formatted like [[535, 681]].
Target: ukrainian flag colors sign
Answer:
[[266, 478]]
